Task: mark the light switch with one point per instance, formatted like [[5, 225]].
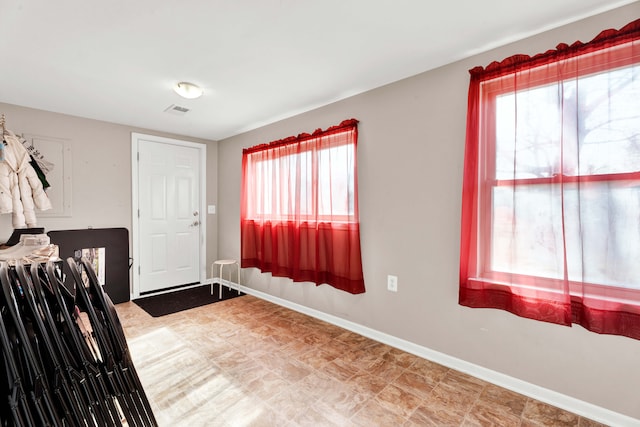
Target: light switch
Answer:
[[211, 209]]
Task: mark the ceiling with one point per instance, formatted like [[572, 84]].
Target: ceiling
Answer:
[[258, 61]]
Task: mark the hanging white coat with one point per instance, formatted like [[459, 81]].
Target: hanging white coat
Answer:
[[21, 190]]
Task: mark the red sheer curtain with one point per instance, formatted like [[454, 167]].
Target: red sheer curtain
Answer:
[[299, 209], [551, 192]]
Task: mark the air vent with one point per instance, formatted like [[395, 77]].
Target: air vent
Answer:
[[176, 109]]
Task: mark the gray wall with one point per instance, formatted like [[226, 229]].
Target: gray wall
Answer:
[[410, 158], [101, 170]]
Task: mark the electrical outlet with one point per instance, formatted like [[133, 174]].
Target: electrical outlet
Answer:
[[392, 283]]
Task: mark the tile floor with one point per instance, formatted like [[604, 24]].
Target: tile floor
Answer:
[[248, 362]]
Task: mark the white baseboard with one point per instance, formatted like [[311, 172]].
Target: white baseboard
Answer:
[[533, 391]]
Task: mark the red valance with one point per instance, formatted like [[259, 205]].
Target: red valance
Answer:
[[562, 51], [344, 125]]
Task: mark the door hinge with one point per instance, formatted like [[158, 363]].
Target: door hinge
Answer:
[[138, 153], [138, 213], [138, 270]]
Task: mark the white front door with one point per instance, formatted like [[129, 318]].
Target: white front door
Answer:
[[169, 223]]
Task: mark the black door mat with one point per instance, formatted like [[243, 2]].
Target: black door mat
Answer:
[[174, 302]]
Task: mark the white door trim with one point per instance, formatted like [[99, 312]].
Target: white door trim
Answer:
[[135, 241]]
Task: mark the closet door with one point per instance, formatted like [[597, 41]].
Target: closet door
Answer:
[[169, 215]]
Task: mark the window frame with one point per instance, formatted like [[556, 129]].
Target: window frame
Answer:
[[313, 217], [575, 67]]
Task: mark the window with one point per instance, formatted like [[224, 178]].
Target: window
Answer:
[[299, 214], [330, 168], [551, 197]]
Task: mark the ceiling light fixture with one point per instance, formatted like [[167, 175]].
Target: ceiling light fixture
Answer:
[[188, 90]]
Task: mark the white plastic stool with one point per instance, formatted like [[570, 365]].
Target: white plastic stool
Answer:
[[222, 263]]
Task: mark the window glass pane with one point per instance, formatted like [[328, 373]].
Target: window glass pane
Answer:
[[263, 198], [605, 248], [336, 181], [526, 231], [591, 124], [527, 133], [303, 180], [609, 121], [602, 230]]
